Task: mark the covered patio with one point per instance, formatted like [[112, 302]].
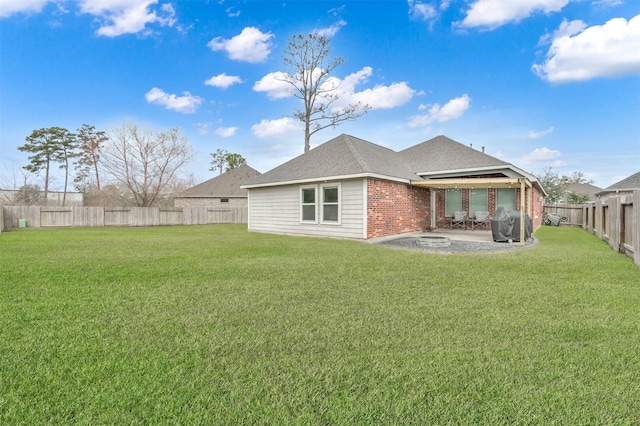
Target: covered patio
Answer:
[[523, 184]]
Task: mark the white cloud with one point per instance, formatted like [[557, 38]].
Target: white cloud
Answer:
[[223, 80], [226, 132], [580, 53], [10, 7], [332, 30], [279, 127], [251, 45], [186, 104], [377, 97], [541, 154], [495, 13], [127, 16], [538, 135], [385, 97], [274, 85], [422, 11], [453, 109]]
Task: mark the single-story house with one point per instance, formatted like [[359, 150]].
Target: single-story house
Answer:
[[624, 187], [221, 191], [352, 188], [585, 189]]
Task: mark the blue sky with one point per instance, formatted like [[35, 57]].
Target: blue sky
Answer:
[[537, 83]]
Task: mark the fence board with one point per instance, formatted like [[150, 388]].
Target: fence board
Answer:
[[171, 216], [48, 216], [573, 212], [56, 216], [88, 216], [117, 217]]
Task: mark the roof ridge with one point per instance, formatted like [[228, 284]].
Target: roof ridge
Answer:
[[356, 154]]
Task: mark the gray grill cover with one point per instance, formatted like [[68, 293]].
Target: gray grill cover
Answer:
[[505, 225]]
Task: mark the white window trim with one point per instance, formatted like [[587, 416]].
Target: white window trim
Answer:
[[302, 204], [339, 203]]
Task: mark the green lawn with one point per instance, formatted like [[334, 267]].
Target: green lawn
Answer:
[[215, 325]]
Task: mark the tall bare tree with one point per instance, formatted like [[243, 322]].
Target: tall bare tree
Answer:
[[310, 68], [144, 162], [12, 178]]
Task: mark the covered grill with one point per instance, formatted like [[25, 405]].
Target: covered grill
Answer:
[[505, 225]]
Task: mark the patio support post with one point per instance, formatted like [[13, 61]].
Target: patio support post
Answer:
[[522, 209]]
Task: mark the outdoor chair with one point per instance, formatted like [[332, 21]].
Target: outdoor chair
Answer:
[[459, 218], [481, 218]]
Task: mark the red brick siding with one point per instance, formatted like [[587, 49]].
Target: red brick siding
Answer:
[[396, 208], [443, 221]]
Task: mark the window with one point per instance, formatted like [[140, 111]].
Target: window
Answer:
[[224, 200], [308, 204], [453, 201], [479, 201], [330, 203], [506, 197]]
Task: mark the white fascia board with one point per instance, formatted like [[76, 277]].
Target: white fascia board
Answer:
[[327, 179]]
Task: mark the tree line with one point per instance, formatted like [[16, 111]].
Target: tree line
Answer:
[[125, 165]]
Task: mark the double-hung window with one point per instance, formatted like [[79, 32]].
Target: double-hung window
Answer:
[[331, 203], [308, 204], [320, 204]]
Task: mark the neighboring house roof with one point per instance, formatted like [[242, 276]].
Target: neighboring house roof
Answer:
[[584, 189], [628, 184], [225, 185], [348, 156]]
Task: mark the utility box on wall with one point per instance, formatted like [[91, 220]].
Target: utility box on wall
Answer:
[[22, 223]]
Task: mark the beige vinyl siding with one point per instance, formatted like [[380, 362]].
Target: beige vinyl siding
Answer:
[[277, 209]]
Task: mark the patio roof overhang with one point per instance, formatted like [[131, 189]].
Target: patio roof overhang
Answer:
[[469, 183]]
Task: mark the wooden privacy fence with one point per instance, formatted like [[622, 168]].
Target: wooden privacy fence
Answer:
[[40, 216], [614, 218], [573, 212]]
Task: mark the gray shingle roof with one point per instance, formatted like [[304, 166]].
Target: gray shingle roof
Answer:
[[346, 155], [442, 153], [630, 183], [584, 189], [341, 156], [225, 185]]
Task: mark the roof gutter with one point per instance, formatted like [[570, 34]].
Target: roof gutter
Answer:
[[326, 179]]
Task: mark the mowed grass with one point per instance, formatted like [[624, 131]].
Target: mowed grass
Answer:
[[216, 325]]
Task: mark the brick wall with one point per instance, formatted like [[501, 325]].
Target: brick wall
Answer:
[[443, 221], [395, 208]]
